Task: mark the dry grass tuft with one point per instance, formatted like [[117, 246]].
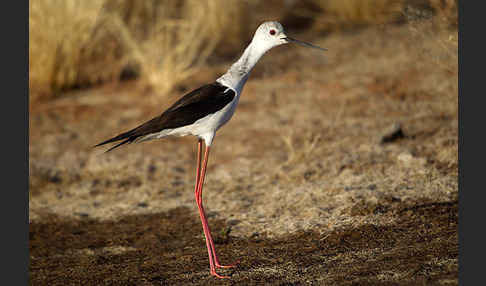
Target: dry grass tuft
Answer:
[[299, 150], [77, 43], [57, 31]]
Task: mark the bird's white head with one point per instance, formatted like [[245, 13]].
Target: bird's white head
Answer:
[[271, 34], [267, 36]]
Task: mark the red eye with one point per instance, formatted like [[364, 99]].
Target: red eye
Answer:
[[272, 32]]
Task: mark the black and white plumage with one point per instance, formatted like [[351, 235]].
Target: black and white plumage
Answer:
[[193, 109], [203, 111]]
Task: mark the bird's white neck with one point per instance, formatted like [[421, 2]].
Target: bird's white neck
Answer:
[[238, 73]]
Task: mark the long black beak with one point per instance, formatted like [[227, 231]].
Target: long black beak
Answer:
[[291, 40]]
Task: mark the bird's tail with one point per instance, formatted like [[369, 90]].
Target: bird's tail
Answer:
[[128, 136]]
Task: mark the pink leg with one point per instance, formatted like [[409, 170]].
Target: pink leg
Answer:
[[213, 258], [199, 201], [198, 169]]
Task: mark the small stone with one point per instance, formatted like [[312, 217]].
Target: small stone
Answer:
[[233, 222], [392, 134], [56, 178], [142, 205]]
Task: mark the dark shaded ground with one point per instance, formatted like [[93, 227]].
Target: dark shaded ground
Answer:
[[168, 249]]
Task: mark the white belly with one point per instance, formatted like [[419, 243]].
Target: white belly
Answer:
[[204, 128]]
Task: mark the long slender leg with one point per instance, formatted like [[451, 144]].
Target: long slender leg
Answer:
[[198, 169], [207, 230], [213, 258], [198, 196], [199, 201]]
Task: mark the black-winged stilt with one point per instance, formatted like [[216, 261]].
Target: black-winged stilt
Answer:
[[204, 110]]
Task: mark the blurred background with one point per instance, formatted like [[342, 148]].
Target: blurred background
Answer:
[[79, 44]]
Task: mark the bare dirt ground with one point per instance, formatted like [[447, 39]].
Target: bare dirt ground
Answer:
[[307, 184]]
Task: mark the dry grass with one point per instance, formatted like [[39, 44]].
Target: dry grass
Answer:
[[358, 12], [336, 15], [261, 173], [77, 43], [446, 11], [57, 32], [448, 46]]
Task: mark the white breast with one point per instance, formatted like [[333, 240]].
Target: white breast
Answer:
[[204, 128]]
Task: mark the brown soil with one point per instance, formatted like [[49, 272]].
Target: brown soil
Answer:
[[168, 249], [335, 170]]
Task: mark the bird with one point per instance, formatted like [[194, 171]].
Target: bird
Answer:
[[204, 110]]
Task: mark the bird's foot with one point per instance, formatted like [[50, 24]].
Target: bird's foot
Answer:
[[218, 265], [227, 266], [213, 272]]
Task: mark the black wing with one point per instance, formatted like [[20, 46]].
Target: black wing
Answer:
[[195, 105]]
